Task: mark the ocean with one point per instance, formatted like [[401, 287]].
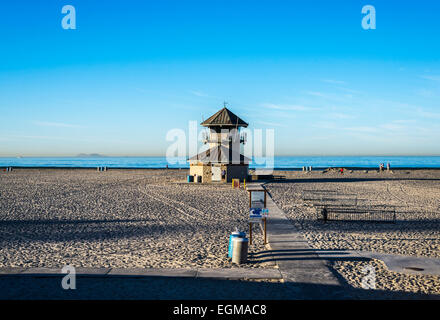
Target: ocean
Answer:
[[285, 162]]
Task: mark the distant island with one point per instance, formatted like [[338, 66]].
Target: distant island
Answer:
[[90, 155]]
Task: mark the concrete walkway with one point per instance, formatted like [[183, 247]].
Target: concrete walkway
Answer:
[[300, 265], [221, 274]]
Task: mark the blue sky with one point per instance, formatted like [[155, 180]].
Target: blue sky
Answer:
[[132, 70]]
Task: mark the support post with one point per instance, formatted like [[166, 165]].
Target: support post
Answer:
[[265, 198], [250, 232], [265, 234]]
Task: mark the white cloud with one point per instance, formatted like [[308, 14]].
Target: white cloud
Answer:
[[392, 126], [349, 90], [141, 90], [325, 125], [288, 107], [317, 94], [55, 124], [342, 116], [341, 97], [425, 93], [404, 121], [33, 137], [199, 93], [428, 114], [362, 129], [272, 124], [332, 81], [431, 77]]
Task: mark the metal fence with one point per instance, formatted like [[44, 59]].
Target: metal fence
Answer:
[[333, 206], [356, 214]]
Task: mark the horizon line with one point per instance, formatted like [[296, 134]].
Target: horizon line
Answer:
[[162, 156]]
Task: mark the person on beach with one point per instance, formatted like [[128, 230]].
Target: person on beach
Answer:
[[324, 214]]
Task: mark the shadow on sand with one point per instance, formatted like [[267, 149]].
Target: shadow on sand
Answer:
[[343, 179], [71, 230], [89, 230], [304, 254], [169, 288]]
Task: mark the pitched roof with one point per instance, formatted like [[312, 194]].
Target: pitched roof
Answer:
[[220, 154], [224, 118]]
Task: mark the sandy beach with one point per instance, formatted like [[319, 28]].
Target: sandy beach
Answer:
[[416, 197], [118, 218], [154, 219]]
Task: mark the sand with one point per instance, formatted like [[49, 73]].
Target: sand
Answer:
[[152, 218], [386, 280], [416, 193], [118, 218]]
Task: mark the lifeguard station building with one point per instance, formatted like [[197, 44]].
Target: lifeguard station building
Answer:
[[222, 161]]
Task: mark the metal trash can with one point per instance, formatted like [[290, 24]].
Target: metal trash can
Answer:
[[199, 179], [235, 234], [240, 250]]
